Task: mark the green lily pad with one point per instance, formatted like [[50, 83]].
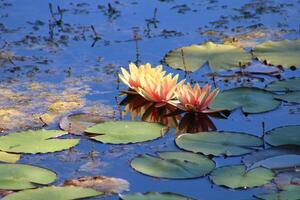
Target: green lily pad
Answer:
[[236, 176], [219, 143], [39, 141], [291, 97], [251, 100], [283, 136], [282, 53], [20, 176], [264, 154], [154, 196], [57, 193], [173, 165], [218, 56], [291, 194], [124, 132], [292, 84], [283, 162], [9, 157]]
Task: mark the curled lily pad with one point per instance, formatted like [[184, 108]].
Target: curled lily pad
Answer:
[[9, 157], [237, 176], [124, 132], [251, 100], [173, 165], [292, 84], [39, 141], [57, 193], [154, 196], [107, 185], [218, 56], [217, 144], [280, 53], [20, 176], [287, 135], [291, 97]]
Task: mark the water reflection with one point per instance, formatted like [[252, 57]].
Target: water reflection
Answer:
[[141, 109]]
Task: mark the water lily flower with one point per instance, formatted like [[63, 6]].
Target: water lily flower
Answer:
[[159, 89], [195, 99], [133, 78]]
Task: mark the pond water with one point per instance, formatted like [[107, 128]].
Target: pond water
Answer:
[[59, 53]]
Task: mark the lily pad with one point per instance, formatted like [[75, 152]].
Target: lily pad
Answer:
[[287, 180], [283, 136], [236, 176], [217, 144], [281, 53], [258, 156], [20, 176], [173, 165], [9, 157], [103, 184], [39, 141], [283, 162], [292, 84], [292, 194], [57, 193], [291, 97], [154, 196], [77, 123], [218, 56], [124, 132], [251, 100]]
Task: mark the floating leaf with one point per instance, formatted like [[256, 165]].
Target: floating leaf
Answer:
[[9, 157], [39, 141], [77, 123], [217, 144], [282, 53], [173, 165], [282, 162], [20, 176], [292, 84], [251, 100], [291, 97], [292, 194], [102, 184], [57, 193], [154, 196], [236, 176], [287, 180], [257, 156], [283, 136], [218, 56], [124, 132]]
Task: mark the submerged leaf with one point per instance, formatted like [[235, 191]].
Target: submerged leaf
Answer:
[[173, 165], [52, 192], [39, 141], [124, 132], [217, 144], [20, 176], [218, 56], [251, 100]]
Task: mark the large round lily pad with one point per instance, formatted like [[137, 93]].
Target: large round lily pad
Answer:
[[39, 141], [217, 144], [281, 53], [19, 176], [173, 165], [283, 136], [292, 84], [251, 100], [154, 196], [124, 132], [236, 176], [57, 193], [291, 97], [218, 56], [9, 157]]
